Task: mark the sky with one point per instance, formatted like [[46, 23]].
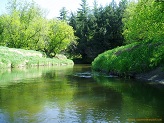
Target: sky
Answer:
[[54, 6]]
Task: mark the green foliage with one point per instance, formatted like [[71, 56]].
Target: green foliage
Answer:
[[144, 30], [23, 26], [26, 27], [143, 21], [131, 59], [60, 35], [63, 14], [15, 58], [98, 29]]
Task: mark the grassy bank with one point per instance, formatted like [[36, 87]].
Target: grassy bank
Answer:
[[131, 59], [14, 58]]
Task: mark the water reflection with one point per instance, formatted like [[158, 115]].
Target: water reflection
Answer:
[[140, 100], [60, 94]]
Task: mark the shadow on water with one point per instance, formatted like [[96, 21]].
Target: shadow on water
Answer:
[[140, 99], [74, 94]]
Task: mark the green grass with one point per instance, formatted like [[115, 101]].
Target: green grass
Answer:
[[131, 59], [14, 58]]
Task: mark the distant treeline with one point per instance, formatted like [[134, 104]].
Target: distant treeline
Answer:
[[103, 28], [83, 34]]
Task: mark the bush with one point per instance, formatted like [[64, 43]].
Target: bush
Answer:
[[11, 57], [131, 59]]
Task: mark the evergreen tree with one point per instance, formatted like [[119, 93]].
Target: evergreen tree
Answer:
[[82, 29], [63, 14], [73, 20], [99, 29]]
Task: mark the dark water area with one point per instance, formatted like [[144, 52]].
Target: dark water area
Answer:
[[76, 94]]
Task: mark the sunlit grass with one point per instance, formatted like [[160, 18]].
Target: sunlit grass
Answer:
[[131, 59], [13, 58]]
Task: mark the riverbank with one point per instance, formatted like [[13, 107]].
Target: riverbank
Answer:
[[16, 58], [156, 75], [137, 60]]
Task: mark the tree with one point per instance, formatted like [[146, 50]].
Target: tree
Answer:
[[1, 31], [63, 14], [144, 21], [23, 26], [99, 29], [60, 35], [82, 29], [73, 20], [108, 29]]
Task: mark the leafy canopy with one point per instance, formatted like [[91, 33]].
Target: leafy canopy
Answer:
[[25, 26], [143, 21]]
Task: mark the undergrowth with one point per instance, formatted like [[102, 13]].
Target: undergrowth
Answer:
[[13, 58], [131, 59]]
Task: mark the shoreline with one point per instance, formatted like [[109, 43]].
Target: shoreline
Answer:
[[39, 64], [142, 61], [20, 58], [156, 75]]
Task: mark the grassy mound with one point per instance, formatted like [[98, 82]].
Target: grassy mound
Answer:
[[131, 59], [13, 58]]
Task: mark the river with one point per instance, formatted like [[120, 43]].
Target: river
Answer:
[[76, 95]]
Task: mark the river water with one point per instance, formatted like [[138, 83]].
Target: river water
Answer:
[[76, 95]]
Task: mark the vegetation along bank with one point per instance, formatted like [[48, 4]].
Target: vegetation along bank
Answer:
[[132, 59], [16, 58], [142, 55]]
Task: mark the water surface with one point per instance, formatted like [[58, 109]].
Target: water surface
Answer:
[[75, 94]]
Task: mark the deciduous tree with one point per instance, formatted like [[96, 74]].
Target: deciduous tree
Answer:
[[143, 21], [60, 36]]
